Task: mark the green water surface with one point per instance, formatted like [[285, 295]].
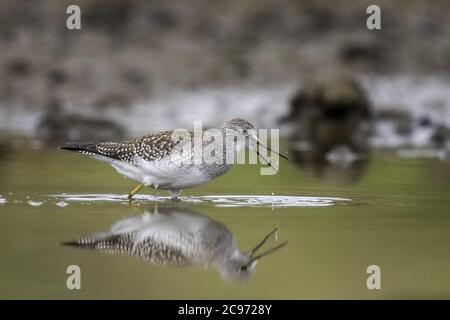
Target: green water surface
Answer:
[[398, 218]]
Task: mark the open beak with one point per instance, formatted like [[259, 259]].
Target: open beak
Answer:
[[272, 250], [256, 143]]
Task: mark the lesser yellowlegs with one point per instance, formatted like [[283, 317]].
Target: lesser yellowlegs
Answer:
[[178, 237], [161, 161]]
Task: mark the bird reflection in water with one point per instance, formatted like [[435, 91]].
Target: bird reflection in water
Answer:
[[179, 237]]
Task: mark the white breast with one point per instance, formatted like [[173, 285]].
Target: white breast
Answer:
[[166, 173]]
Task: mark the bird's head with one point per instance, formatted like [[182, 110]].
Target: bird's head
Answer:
[[247, 136], [241, 266]]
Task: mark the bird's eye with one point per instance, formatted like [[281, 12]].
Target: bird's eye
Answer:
[[245, 132]]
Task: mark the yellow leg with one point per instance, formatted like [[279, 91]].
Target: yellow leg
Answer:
[[135, 190]]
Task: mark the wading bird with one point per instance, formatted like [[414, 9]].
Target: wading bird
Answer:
[[163, 160]]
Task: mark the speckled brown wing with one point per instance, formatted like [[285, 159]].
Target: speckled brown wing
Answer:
[[150, 147]]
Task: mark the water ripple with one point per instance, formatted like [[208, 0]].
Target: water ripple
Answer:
[[219, 200]]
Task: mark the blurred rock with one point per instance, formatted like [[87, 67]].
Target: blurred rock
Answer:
[[441, 137], [113, 100], [19, 67], [365, 55], [57, 127], [398, 128], [331, 117], [111, 16], [328, 112], [56, 77]]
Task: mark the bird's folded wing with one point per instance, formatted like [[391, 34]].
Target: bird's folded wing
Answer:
[[149, 148]]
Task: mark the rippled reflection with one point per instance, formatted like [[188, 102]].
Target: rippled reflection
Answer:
[[217, 200], [179, 237]]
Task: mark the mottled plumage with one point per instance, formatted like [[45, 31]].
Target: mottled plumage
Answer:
[[176, 237], [160, 160], [150, 148]]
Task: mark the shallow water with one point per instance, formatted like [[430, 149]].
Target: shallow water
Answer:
[[394, 213], [271, 201]]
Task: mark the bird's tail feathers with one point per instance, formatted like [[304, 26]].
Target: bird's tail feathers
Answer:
[[88, 148]]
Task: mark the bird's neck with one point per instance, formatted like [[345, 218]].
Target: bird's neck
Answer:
[[231, 147]]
